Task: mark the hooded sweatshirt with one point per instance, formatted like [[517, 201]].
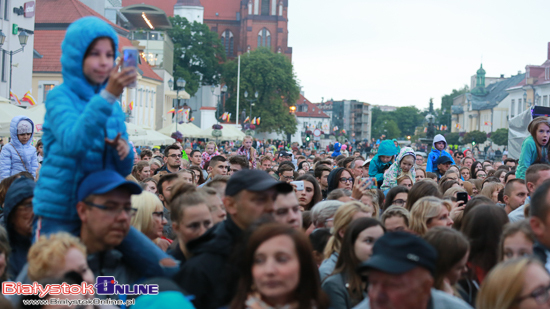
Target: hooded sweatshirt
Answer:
[[21, 189], [435, 154], [377, 167], [15, 156], [395, 171], [337, 147], [78, 119]]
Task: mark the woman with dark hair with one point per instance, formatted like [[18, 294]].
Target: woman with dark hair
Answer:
[[483, 226], [311, 194], [473, 202], [279, 253], [452, 254], [420, 189], [199, 177], [396, 196], [477, 186], [500, 174], [340, 178], [345, 287], [444, 186], [476, 166]]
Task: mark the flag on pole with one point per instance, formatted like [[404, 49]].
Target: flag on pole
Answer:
[[253, 121], [229, 115], [247, 119], [28, 98], [258, 120], [131, 105], [425, 130], [172, 111], [224, 116], [13, 97], [180, 111]]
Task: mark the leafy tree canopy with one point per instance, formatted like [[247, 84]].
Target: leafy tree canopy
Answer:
[[198, 54], [475, 136], [272, 76], [447, 102], [500, 137]]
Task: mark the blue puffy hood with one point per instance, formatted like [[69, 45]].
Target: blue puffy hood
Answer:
[[13, 131], [387, 148], [21, 189], [78, 38]]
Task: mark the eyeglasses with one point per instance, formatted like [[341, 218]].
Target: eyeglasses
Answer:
[[399, 202], [289, 177], [175, 156], [540, 295], [114, 211], [158, 214], [26, 207], [344, 179]]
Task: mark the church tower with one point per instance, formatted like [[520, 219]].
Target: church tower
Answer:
[[190, 9]]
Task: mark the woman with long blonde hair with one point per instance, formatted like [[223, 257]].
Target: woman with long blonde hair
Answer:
[[429, 212], [149, 218], [519, 283], [342, 218]]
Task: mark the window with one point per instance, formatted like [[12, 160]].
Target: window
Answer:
[[227, 42], [519, 106], [265, 7], [512, 108], [264, 38], [147, 99], [6, 9], [152, 99], [141, 97], [545, 101], [47, 89]]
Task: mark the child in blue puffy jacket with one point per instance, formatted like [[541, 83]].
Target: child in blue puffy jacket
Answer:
[[19, 155], [382, 160], [84, 132], [438, 150]]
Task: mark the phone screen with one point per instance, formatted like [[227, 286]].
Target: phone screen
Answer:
[[130, 60], [462, 196]]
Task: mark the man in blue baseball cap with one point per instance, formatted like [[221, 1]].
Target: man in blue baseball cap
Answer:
[[400, 273], [105, 209]]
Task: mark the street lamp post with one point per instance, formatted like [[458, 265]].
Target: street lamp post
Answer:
[[23, 38], [219, 109], [251, 101], [180, 84]]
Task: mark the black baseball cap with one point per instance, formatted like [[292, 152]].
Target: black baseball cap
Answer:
[[443, 160], [285, 154], [399, 252], [255, 181]]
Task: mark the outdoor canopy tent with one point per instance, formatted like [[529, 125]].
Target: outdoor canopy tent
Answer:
[[7, 112], [186, 129], [517, 132], [228, 133], [151, 138]]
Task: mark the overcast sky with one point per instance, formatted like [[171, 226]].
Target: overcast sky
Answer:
[[402, 52]]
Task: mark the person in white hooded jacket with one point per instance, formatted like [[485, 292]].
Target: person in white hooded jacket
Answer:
[[19, 155]]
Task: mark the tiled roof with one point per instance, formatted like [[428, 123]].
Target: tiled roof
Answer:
[[48, 44], [537, 72], [313, 111], [496, 92], [166, 5], [65, 12]]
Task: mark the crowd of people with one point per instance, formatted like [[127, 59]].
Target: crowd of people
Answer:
[[248, 224]]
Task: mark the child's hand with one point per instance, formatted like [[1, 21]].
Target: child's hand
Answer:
[[119, 80], [120, 145]]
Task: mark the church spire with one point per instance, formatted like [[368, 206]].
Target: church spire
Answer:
[[480, 80]]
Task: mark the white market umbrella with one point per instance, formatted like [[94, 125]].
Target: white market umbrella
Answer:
[[7, 112], [151, 138], [186, 130], [134, 130], [228, 133]]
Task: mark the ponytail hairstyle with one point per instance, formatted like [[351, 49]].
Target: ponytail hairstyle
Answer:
[[532, 128]]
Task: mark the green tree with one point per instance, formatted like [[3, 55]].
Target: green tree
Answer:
[[447, 102], [475, 136], [500, 137], [453, 139], [272, 75], [198, 54], [387, 127], [407, 119]]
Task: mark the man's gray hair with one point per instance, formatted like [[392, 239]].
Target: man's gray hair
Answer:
[[324, 210]]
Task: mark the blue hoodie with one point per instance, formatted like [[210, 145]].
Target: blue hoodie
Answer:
[[15, 151], [77, 121], [435, 154], [377, 167]]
